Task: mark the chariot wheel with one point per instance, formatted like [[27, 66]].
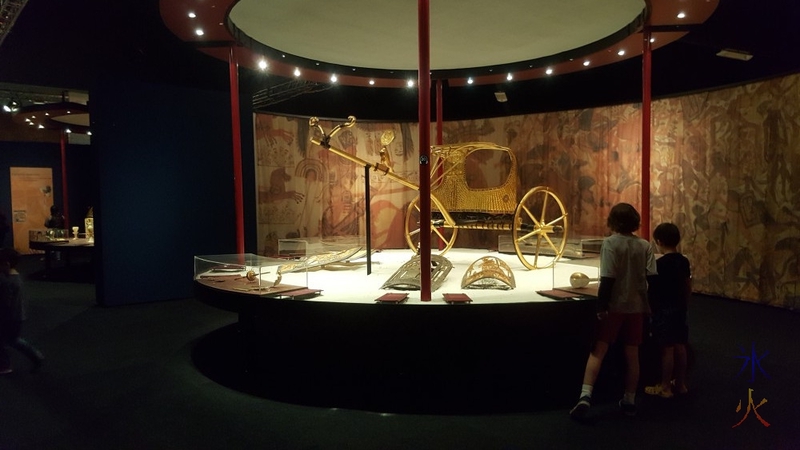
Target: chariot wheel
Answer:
[[442, 229], [540, 228]]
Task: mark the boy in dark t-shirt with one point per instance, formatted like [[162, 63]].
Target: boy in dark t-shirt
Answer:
[[669, 293]]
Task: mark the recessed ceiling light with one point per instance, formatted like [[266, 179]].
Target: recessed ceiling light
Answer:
[[41, 126], [410, 83], [586, 63], [509, 77], [68, 131], [652, 39], [296, 72], [549, 71], [334, 78], [681, 15], [470, 80], [262, 64], [192, 15], [199, 32], [621, 52], [371, 82]]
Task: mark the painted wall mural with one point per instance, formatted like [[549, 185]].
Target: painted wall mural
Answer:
[[721, 169]]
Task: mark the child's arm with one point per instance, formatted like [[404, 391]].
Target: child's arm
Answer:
[[604, 294]]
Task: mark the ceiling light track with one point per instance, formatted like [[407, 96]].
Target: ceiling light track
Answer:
[[285, 91]]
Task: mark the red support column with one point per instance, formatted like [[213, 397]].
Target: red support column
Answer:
[[424, 86], [646, 126], [64, 196], [238, 190]]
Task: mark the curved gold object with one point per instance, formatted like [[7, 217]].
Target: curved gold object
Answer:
[[442, 230], [540, 228], [449, 180], [408, 276], [488, 272]]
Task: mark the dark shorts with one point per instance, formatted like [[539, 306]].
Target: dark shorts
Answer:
[[627, 327], [669, 326]]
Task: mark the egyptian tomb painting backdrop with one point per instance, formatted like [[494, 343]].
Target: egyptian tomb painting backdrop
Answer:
[[721, 169]]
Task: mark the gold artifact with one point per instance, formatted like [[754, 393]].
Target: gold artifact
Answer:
[[408, 276], [580, 280], [313, 261], [538, 222], [488, 272]]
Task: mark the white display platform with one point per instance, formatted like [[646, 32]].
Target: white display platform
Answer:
[[353, 285]]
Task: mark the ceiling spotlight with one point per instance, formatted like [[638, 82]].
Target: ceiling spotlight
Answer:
[[681, 15], [67, 130], [621, 52], [501, 96], [334, 78], [741, 55], [549, 71], [586, 63], [371, 82], [199, 32], [192, 15], [296, 72], [509, 77], [263, 64], [410, 83], [12, 106], [470, 80]]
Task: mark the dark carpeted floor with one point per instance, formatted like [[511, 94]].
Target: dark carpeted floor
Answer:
[[140, 377]]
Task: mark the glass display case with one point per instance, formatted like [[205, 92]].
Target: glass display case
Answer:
[[243, 273], [48, 235]]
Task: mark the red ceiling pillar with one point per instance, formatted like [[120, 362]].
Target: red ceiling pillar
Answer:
[[238, 190], [424, 85], [646, 129]]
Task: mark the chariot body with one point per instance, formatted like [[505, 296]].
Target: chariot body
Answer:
[[460, 200]]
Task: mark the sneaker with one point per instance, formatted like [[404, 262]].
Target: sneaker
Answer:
[[579, 411], [628, 409], [659, 391]]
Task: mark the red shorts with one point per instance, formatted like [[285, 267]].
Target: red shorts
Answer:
[[628, 327]]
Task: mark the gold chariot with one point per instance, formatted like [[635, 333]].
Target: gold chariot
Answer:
[[538, 223]]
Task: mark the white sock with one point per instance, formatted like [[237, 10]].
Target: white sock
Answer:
[[586, 390], [629, 398]]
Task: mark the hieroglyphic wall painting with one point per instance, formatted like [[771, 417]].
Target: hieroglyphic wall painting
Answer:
[[722, 165]]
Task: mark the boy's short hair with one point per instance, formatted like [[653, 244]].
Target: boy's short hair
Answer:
[[624, 218], [667, 234], [9, 255]]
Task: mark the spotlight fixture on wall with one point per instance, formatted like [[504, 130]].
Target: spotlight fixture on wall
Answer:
[[11, 107], [741, 55], [501, 96]]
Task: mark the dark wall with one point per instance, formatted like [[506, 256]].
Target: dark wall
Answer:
[[81, 189], [167, 187]]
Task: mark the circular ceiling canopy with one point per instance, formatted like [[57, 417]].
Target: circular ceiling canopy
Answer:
[[369, 43], [464, 34]]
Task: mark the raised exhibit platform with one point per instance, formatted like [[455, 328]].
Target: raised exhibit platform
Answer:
[[504, 351]]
